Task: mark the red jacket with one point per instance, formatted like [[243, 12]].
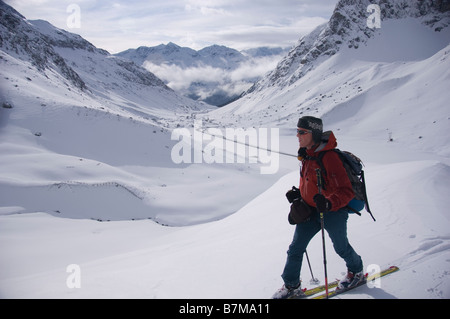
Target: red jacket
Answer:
[[338, 189]]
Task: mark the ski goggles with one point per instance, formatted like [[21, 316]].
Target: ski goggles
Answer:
[[303, 132]]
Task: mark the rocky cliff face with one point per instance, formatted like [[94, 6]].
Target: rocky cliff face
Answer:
[[21, 39]]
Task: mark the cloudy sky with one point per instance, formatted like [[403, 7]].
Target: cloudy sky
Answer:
[[118, 25]]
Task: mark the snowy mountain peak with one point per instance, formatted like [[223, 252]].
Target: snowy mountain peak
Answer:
[[349, 27], [171, 53], [23, 40], [61, 38], [52, 49]]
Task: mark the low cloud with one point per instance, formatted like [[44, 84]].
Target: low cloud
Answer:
[[179, 78], [255, 68], [205, 81]]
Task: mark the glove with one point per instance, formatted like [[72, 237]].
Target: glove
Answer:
[[300, 212], [293, 194], [323, 205]]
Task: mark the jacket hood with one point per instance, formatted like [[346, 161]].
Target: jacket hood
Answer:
[[328, 142]]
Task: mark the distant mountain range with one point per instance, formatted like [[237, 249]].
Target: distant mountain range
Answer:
[[215, 74]]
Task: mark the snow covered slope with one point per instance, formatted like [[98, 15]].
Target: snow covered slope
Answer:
[[79, 126], [241, 256], [69, 159]]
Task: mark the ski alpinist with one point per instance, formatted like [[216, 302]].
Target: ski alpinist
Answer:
[[308, 202]]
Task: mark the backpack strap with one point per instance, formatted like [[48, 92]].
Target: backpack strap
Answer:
[[365, 195], [319, 162]]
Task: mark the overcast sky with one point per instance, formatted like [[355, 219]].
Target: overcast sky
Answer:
[[122, 24]]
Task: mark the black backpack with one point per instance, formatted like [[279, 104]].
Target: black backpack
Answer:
[[354, 168]]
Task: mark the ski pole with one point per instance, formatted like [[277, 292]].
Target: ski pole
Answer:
[[319, 186], [314, 280]]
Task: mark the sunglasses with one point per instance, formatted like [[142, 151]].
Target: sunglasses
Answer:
[[303, 132]]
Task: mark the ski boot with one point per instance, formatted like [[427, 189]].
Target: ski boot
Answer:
[[286, 292], [351, 280]]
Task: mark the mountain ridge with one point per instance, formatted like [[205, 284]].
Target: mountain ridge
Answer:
[[215, 74], [347, 27], [87, 72]]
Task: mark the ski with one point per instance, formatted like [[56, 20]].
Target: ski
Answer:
[[370, 278], [312, 291]]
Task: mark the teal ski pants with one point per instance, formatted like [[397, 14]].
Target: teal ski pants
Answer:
[[335, 223]]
